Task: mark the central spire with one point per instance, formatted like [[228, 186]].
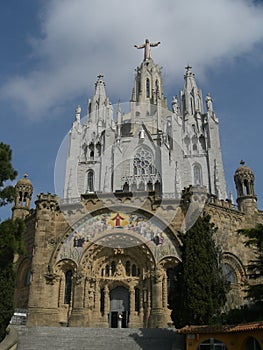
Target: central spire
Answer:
[[147, 48]]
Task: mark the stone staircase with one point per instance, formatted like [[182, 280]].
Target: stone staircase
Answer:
[[49, 338]]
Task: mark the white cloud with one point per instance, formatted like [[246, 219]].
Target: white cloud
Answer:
[[84, 38]]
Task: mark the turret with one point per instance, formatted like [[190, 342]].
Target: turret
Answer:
[[23, 195], [191, 96], [100, 110], [244, 180]]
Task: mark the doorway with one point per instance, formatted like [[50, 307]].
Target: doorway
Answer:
[[119, 307]]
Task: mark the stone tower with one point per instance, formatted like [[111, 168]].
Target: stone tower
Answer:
[[244, 180], [23, 195]]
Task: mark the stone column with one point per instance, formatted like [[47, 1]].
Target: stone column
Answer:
[[106, 306], [77, 317], [165, 295], [132, 307], [157, 316]]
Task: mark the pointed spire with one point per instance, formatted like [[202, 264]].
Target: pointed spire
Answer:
[[191, 95], [100, 92]]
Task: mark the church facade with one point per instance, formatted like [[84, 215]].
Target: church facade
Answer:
[[136, 175]]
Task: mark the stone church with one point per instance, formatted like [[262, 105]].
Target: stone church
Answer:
[[135, 176]]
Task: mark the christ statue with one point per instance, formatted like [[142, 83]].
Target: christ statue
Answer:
[[147, 48]]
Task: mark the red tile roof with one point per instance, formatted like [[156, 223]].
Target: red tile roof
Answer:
[[222, 329]]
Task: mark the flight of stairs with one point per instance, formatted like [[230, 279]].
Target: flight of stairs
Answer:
[[49, 338]]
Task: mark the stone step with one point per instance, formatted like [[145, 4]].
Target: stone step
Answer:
[[69, 338]]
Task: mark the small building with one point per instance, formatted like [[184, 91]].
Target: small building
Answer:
[[238, 337]]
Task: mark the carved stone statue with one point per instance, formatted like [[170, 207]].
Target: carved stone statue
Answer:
[[209, 103], [175, 104], [147, 48]]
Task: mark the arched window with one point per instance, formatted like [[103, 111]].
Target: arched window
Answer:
[[90, 181], [27, 277], [91, 151], [147, 87], [68, 287], [126, 187], [197, 175], [137, 299], [102, 300], [107, 271], [133, 270], [113, 268], [128, 268], [252, 344], [229, 273]]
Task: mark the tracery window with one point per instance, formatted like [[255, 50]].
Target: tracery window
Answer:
[[143, 163]]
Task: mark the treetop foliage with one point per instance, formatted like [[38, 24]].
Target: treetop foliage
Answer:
[[7, 172], [201, 286], [254, 240]]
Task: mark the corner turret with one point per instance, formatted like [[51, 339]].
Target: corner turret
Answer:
[[23, 195], [244, 180]]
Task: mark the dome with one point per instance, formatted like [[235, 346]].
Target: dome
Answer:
[[244, 172], [24, 181]]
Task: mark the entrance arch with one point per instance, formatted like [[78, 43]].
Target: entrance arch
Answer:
[[119, 307], [252, 344]]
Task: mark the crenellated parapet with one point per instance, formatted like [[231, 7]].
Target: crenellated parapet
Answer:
[[47, 201]]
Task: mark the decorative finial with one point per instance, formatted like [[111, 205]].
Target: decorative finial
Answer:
[[77, 113], [242, 162], [25, 175]]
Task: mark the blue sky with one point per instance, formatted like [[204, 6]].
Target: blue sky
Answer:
[[53, 50]]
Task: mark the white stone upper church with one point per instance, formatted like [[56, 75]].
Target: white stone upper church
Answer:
[[152, 147]]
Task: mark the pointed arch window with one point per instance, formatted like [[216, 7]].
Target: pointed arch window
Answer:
[[197, 175], [137, 299], [90, 181], [147, 87], [128, 268], [68, 287]]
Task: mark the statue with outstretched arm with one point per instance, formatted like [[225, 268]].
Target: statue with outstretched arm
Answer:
[[147, 48]]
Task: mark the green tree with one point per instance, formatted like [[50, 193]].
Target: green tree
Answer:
[[255, 268], [201, 287], [10, 244], [10, 241], [7, 172]]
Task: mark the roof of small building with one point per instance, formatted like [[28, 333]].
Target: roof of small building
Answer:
[[222, 328]]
